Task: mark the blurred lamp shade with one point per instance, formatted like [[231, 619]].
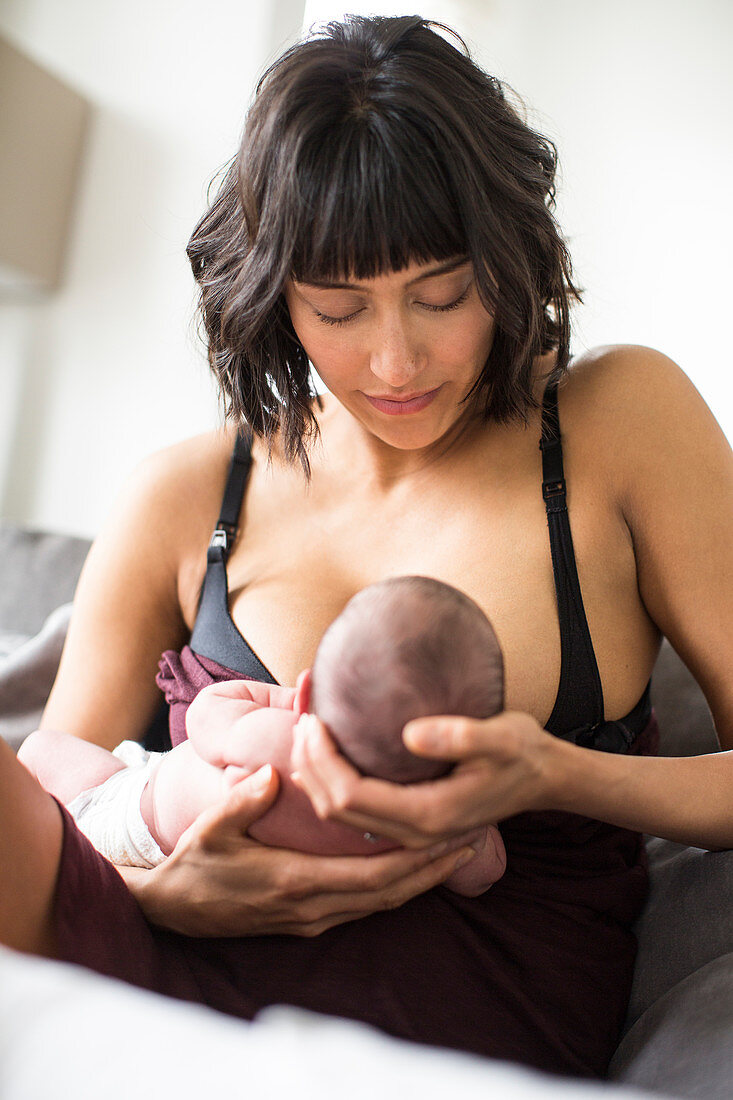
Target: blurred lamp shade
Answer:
[[42, 126]]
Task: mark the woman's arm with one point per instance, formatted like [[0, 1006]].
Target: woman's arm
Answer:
[[674, 469], [126, 612], [672, 472]]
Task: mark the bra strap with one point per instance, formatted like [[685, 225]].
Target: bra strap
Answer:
[[578, 710], [225, 532], [214, 633]]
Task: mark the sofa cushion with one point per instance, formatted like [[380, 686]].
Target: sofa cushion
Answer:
[[39, 573], [27, 672], [682, 1043], [685, 724], [687, 921]]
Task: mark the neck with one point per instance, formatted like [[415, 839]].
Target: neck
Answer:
[[381, 467]]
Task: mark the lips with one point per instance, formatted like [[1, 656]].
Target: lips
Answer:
[[402, 406]]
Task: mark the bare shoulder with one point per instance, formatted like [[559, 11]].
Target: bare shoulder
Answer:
[[168, 508], [620, 383], [631, 406], [188, 467]]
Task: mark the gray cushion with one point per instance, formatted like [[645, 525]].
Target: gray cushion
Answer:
[[27, 672], [683, 1043], [38, 572], [687, 921], [678, 1027], [685, 723]]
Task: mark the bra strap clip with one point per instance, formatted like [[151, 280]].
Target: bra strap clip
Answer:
[[553, 488], [223, 537]]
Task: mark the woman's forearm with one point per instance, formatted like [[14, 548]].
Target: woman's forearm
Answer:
[[684, 799]]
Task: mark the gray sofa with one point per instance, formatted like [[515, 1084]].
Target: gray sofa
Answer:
[[679, 1031]]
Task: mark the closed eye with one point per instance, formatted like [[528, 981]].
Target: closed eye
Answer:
[[337, 320], [324, 317], [447, 308]]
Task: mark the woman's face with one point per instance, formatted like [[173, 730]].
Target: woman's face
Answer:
[[399, 351]]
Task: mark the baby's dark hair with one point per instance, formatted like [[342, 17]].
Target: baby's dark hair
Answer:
[[403, 648]]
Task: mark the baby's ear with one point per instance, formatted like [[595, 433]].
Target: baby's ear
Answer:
[[302, 699]]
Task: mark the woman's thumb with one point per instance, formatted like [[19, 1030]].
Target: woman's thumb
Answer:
[[251, 797], [431, 737], [449, 737]]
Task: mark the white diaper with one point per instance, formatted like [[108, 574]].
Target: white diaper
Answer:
[[109, 815]]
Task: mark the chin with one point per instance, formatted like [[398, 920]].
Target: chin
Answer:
[[412, 437]]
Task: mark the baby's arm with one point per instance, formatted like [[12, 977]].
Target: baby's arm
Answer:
[[65, 765], [224, 717], [485, 868], [233, 728]]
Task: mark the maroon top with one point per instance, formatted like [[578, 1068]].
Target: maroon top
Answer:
[[181, 676], [536, 970]]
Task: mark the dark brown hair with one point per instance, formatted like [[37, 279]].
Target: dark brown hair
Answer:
[[370, 145]]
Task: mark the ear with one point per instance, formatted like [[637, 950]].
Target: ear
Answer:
[[302, 699]]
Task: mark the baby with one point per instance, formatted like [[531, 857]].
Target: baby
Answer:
[[403, 648]]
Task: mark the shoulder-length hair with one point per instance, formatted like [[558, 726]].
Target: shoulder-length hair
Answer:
[[371, 145]]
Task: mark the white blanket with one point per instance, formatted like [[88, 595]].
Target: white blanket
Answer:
[[65, 1032]]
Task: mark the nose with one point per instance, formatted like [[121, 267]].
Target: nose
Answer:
[[396, 358]]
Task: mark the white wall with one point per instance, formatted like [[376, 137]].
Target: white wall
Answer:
[[107, 368], [638, 95]]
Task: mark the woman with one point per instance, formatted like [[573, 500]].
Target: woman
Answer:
[[389, 219]]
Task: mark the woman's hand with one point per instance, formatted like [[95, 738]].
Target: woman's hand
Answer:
[[504, 766], [219, 882]]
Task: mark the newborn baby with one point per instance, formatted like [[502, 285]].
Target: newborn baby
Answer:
[[403, 648]]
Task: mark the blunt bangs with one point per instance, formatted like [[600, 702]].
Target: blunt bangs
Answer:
[[374, 201]]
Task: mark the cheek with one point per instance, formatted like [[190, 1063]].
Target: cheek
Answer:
[[471, 342], [330, 349]]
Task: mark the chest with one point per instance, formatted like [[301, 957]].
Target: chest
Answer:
[[301, 557]]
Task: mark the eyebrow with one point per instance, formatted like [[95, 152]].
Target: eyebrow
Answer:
[[441, 269]]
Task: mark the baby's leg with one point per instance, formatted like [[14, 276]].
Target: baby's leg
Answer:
[[486, 867], [31, 833], [65, 765]]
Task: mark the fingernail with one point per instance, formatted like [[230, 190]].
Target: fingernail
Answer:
[[305, 725], [261, 779], [438, 849], [467, 854], [450, 845], [422, 736]]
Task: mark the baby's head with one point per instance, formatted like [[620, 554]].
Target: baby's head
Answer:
[[403, 648]]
